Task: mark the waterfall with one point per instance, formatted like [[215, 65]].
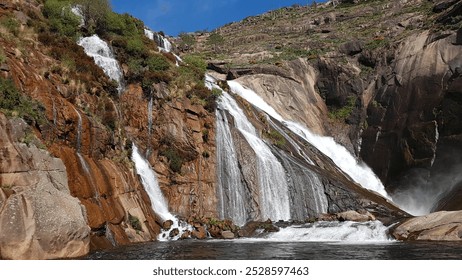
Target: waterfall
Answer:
[[273, 189], [148, 151], [158, 202], [359, 172], [151, 185], [78, 143], [55, 112], [163, 44], [306, 191], [233, 201], [103, 57], [150, 116], [345, 232]]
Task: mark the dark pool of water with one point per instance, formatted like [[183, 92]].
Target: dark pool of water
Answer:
[[238, 250]]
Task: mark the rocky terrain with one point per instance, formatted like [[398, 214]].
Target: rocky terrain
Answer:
[[381, 77]]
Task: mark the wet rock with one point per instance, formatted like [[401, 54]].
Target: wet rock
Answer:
[[438, 226], [227, 234], [199, 232], [186, 234], [174, 232], [167, 224], [254, 228], [327, 217]]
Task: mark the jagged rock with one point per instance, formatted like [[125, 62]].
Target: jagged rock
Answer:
[[227, 234], [218, 66], [436, 226], [4, 67]]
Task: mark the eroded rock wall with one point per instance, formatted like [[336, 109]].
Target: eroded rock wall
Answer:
[[39, 219]]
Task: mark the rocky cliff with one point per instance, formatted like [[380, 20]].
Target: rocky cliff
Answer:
[[381, 77], [79, 190]]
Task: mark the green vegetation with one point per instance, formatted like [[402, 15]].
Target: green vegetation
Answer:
[[187, 41], [205, 97], [135, 222], [11, 25], [345, 111], [62, 20], [215, 40], [174, 159], [15, 104], [275, 137], [2, 57]]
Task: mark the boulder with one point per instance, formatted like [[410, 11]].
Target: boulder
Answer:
[[227, 234], [351, 48], [438, 226], [355, 216], [167, 224]]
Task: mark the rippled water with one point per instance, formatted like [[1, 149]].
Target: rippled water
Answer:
[[240, 249]]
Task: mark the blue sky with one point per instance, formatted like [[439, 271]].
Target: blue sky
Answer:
[[175, 16]]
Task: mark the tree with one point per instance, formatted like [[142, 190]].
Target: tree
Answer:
[[94, 12]]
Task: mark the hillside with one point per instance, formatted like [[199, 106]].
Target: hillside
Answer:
[[387, 73]]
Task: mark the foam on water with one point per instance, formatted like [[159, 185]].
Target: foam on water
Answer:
[[345, 232]]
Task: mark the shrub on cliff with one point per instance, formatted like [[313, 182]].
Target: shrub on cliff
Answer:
[[61, 18], [15, 104]]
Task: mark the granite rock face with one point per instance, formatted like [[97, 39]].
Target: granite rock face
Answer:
[[438, 226], [39, 219]]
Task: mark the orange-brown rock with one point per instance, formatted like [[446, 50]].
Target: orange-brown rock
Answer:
[[185, 130]]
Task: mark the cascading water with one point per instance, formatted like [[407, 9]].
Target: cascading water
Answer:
[[158, 202], [163, 43], [360, 173], [78, 143], [232, 195], [345, 232], [149, 126], [274, 199], [104, 58], [82, 160]]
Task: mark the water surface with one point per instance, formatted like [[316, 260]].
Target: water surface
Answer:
[[242, 249]]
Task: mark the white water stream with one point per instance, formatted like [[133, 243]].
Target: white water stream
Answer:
[[103, 57], [359, 172], [344, 232], [158, 202]]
